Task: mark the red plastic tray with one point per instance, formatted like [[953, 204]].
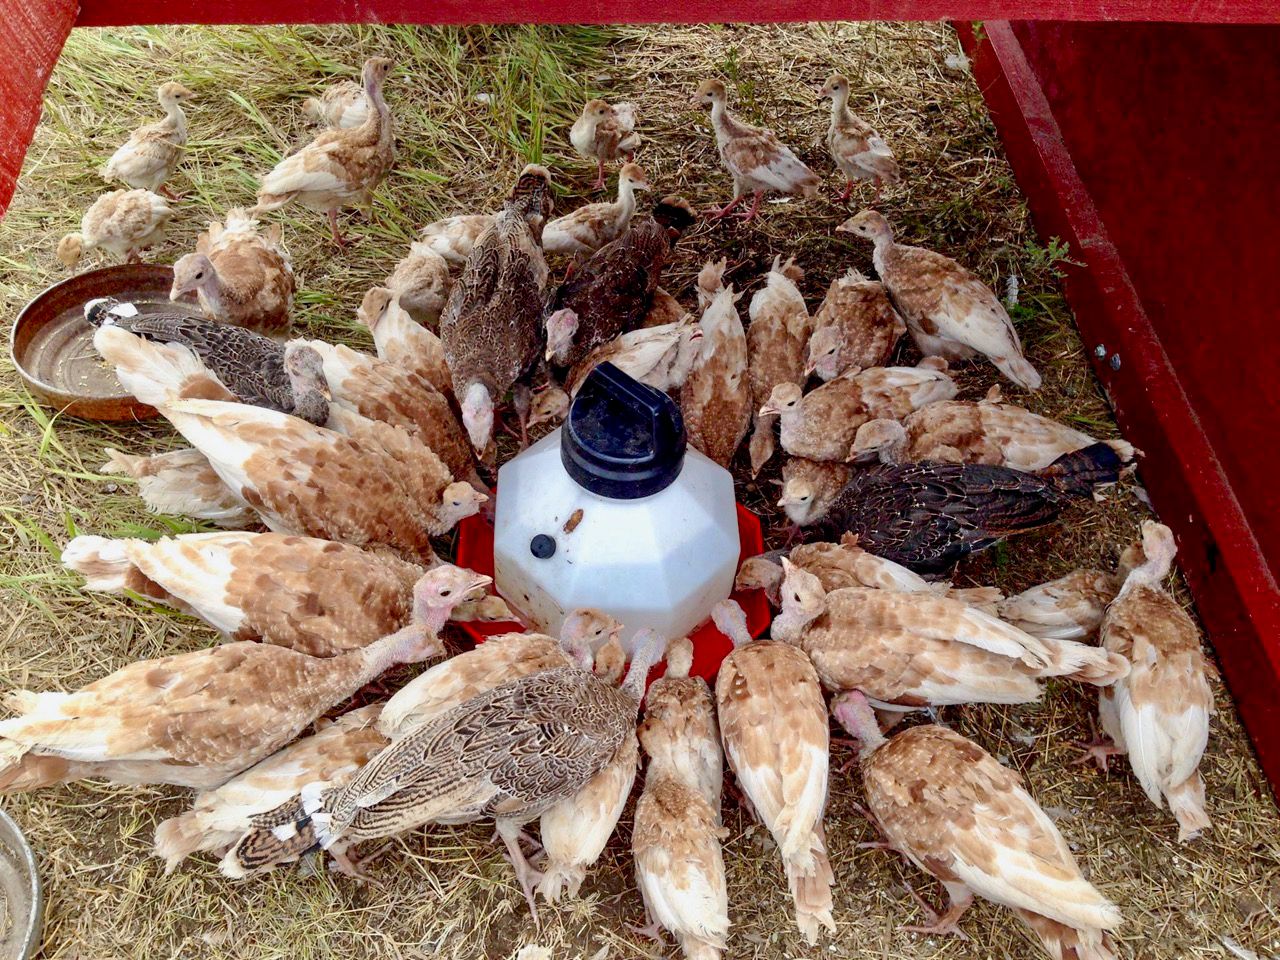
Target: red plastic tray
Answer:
[[710, 646]]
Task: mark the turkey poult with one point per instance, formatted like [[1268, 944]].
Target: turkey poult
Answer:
[[716, 396], [339, 168], [949, 311], [662, 357], [1070, 607], [1159, 715], [318, 597], [855, 327], [590, 227], [240, 276], [511, 753], [400, 340], [453, 238], [605, 133], [148, 158], [909, 650], [846, 564], [500, 659], [927, 516], [755, 158], [378, 389], [773, 723], [859, 152], [219, 817], [343, 105], [491, 327], [823, 423], [182, 482], [676, 836], [612, 291], [776, 340], [809, 487], [576, 830], [988, 431], [953, 811], [375, 484], [420, 283], [194, 719], [252, 368], [122, 222]]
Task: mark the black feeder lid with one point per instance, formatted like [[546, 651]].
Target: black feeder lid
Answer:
[[623, 439]]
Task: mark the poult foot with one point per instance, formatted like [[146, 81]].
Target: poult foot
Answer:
[[1098, 751]]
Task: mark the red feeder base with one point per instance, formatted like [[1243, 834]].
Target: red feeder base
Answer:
[[710, 646]]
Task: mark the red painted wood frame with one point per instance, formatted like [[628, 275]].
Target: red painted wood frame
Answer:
[[1205, 474], [1184, 470]]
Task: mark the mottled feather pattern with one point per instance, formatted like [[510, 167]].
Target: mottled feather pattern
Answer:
[[716, 397], [612, 291], [512, 752], [492, 323]]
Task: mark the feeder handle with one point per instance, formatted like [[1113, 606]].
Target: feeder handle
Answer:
[[615, 382]]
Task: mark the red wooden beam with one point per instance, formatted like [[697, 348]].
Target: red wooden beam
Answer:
[[1236, 592], [32, 33], [98, 13]]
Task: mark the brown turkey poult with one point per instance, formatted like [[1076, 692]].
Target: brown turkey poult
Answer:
[[373, 484], [773, 723], [377, 389], [339, 168], [254, 369], [258, 847], [952, 810], [401, 340], [611, 293], [908, 650], [949, 311], [823, 423], [491, 327], [1158, 715], [988, 431], [315, 596], [239, 275], [926, 516], [677, 832], [776, 339], [197, 719], [716, 396], [511, 753], [809, 487], [856, 326]]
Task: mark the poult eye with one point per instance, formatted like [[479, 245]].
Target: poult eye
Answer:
[[446, 591]]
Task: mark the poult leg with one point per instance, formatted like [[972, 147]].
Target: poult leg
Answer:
[[1099, 750], [599, 184], [522, 400], [755, 207], [848, 189], [333, 228], [944, 923], [715, 213], [879, 188], [168, 194], [525, 873]]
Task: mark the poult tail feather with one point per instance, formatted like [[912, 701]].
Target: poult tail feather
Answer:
[[21, 772], [1088, 664], [1067, 943], [561, 879], [103, 563], [696, 948], [178, 838], [1186, 802], [811, 890]]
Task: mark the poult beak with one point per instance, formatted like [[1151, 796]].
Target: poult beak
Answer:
[[769, 409], [809, 368]]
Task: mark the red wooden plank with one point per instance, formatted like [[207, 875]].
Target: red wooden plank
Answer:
[[1236, 593], [117, 12], [32, 33]]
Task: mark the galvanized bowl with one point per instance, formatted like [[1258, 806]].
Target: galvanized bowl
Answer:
[[22, 910], [52, 343]]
